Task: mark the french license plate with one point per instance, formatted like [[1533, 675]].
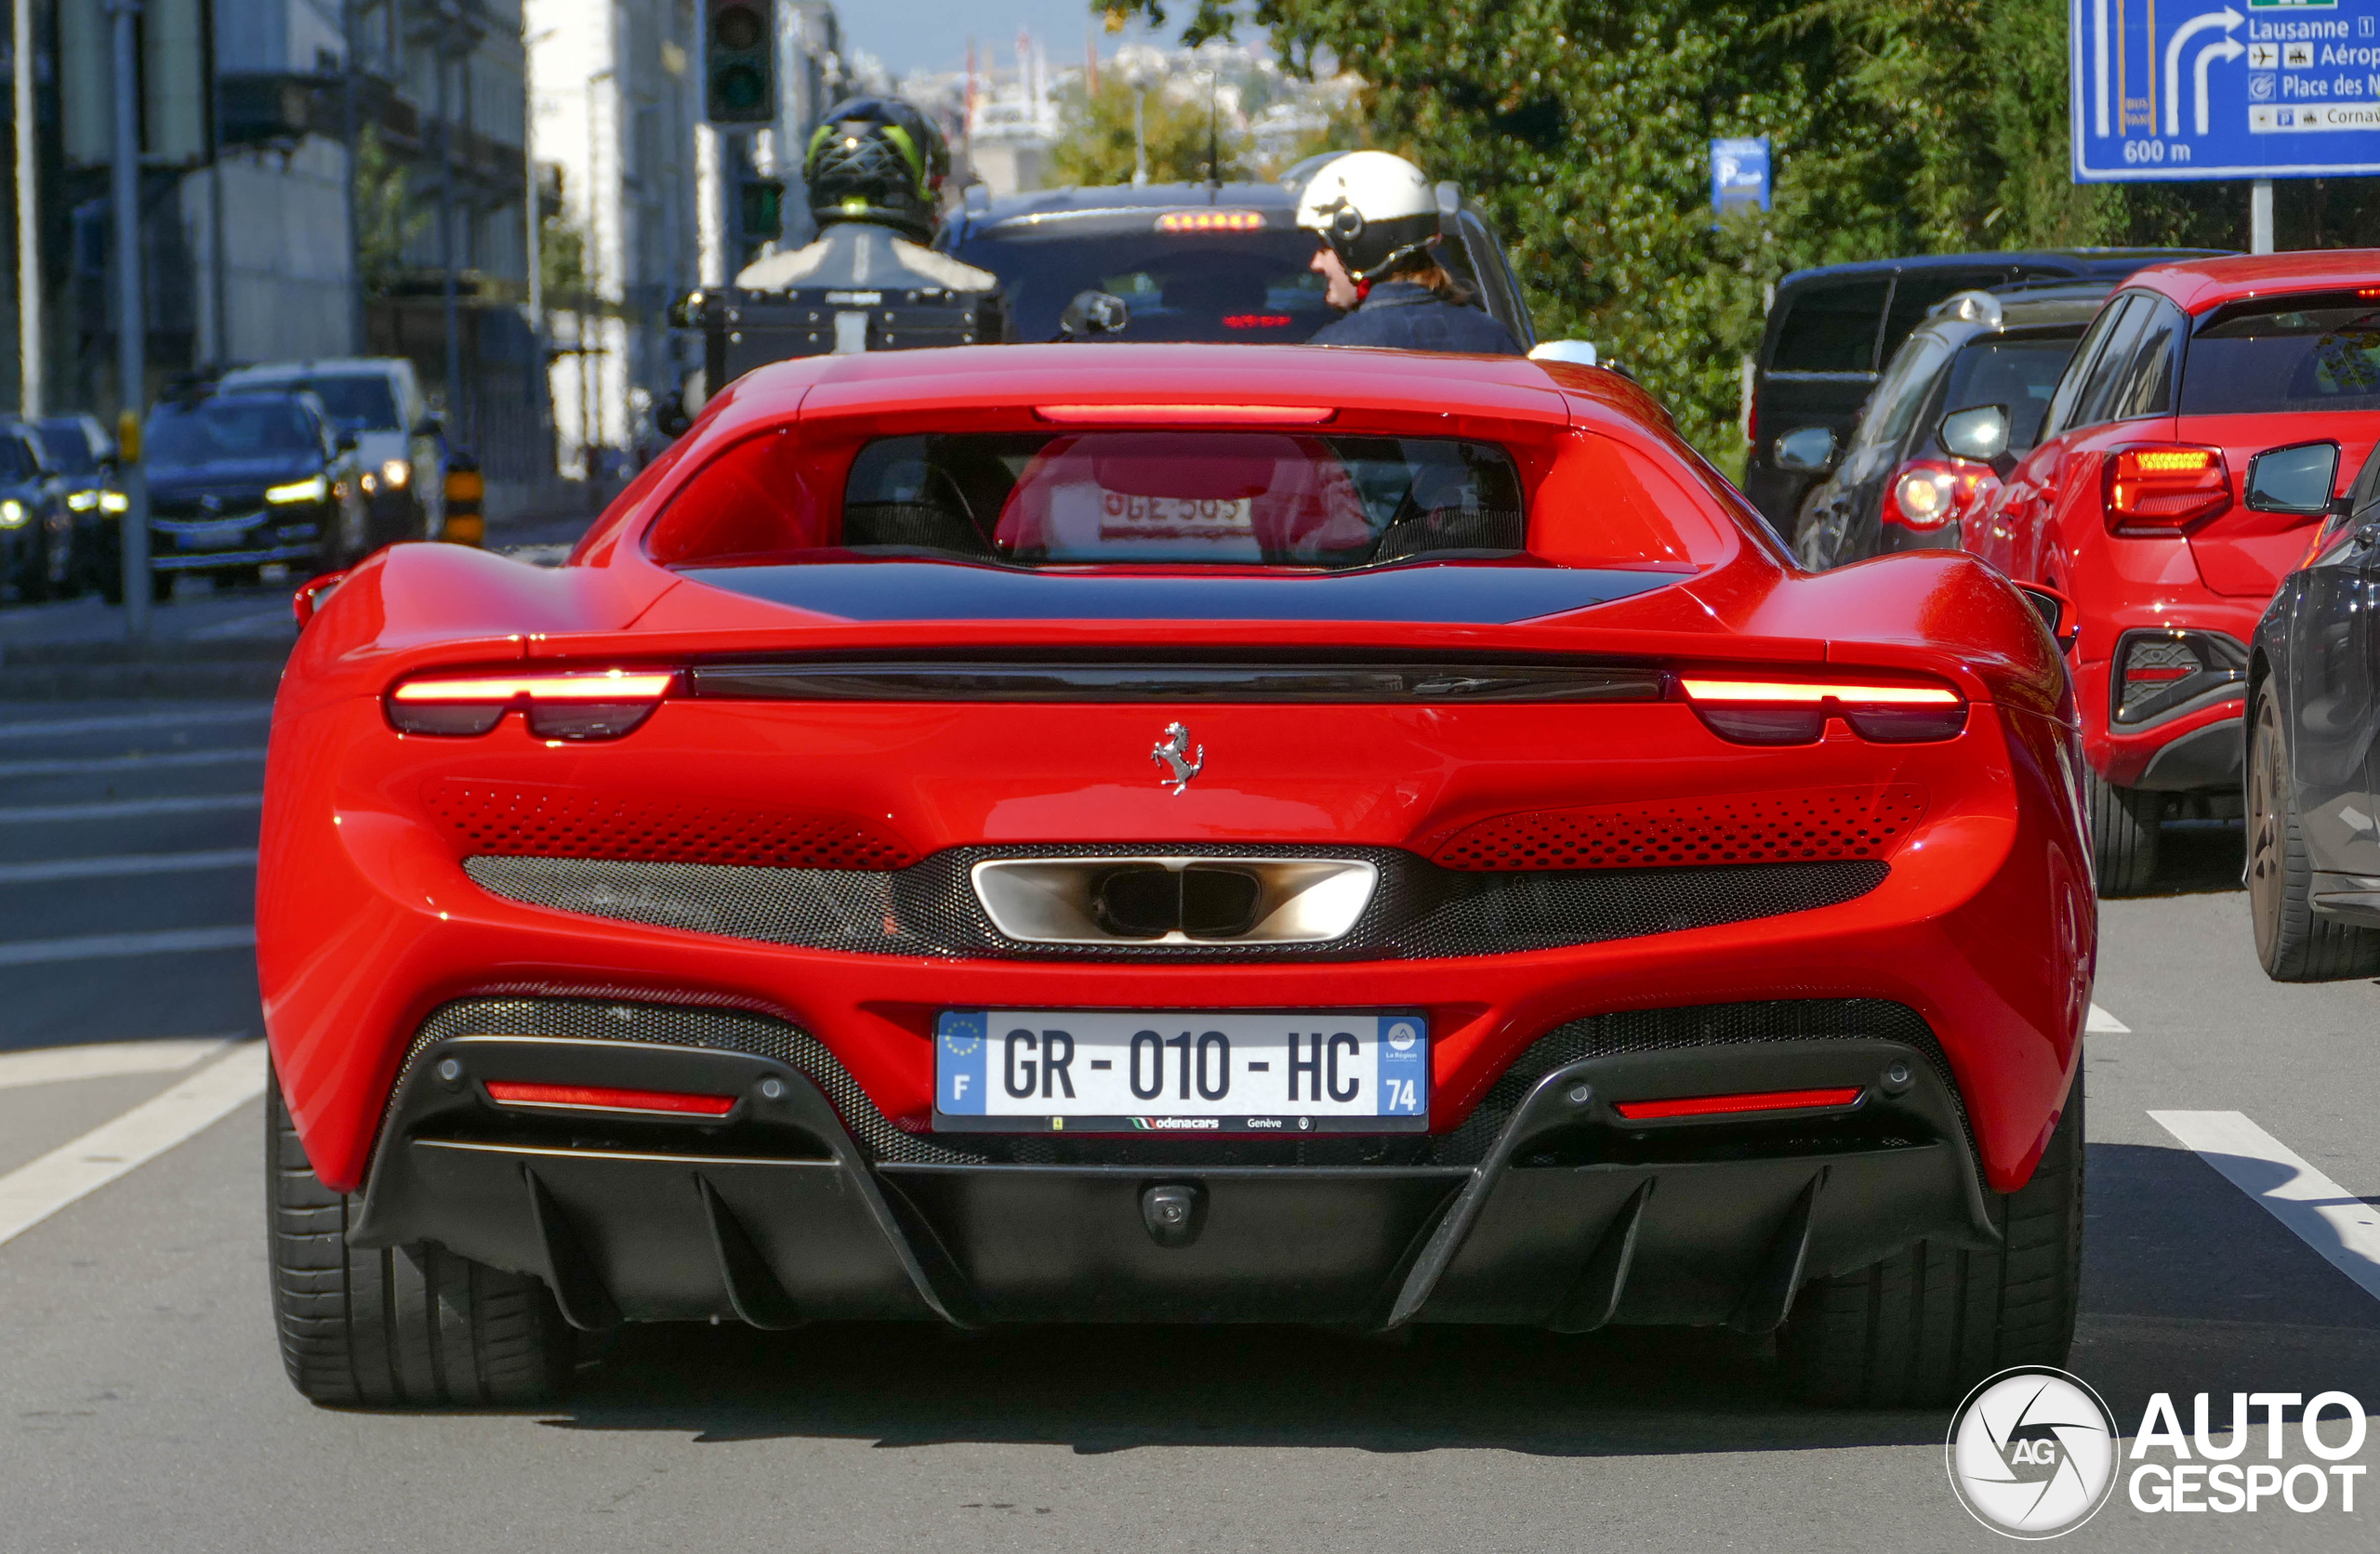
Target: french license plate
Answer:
[[1108, 1071]]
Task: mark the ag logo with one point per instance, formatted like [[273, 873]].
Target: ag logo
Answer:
[[2032, 1453]]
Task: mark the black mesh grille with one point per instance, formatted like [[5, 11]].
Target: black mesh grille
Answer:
[[1419, 911], [1635, 1031]]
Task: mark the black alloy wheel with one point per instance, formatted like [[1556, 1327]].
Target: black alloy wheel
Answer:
[[2294, 944]]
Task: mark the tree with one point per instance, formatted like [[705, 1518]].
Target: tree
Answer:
[[387, 221], [1095, 143]]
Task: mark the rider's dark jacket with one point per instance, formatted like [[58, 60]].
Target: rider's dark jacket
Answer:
[[1406, 315]]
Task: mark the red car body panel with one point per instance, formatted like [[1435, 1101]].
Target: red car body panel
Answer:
[[2046, 522], [1984, 924]]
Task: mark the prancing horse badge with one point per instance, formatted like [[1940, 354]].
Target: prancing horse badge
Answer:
[[1174, 751]]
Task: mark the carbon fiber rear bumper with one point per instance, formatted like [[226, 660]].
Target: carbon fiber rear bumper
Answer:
[[1546, 1209]]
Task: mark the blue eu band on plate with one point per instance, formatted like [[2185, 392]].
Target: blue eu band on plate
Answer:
[[1300, 1071]]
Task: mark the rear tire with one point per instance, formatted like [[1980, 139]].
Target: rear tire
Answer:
[[2125, 827], [415, 1325], [2293, 943], [1920, 1328]]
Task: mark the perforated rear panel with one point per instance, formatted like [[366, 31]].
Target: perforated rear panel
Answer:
[[1418, 911], [1731, 828], [533, 821]]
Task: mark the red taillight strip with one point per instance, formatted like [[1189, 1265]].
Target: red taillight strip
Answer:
[[1715, 1106], [615, 685], [1803, 692], [593, 1097], [1185, 414]]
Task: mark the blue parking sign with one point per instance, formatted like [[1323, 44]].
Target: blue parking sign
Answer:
[[2224, 89], [1739, 172]]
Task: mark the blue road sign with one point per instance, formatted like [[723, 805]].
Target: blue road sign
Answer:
[[2225, 89], [1739, 172]]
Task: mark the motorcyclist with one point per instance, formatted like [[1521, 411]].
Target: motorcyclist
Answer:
[[1378, 219]]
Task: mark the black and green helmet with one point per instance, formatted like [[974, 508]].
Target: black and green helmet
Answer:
[[880, 160]]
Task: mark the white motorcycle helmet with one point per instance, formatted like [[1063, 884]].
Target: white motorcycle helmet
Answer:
[[1375, 210]]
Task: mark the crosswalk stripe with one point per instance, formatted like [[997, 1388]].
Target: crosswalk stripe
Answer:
[[127, 863], [2101, 1020], [112, 946], [44, 729], [32, 1192], [129, 808], [93, 766], [106, 1060], [2327, 1217]]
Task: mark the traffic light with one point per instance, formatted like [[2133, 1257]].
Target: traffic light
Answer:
[[764, 210], [739, 47]]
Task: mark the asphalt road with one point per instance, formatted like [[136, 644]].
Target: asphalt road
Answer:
[[142, 1406]]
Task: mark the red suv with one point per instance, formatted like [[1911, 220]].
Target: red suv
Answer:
[[2138, 500]]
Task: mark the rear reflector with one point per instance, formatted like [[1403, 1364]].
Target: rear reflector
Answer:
[[592, 1098], [601, 705], [1794, 712], [1720, 1106], [1184, 414]]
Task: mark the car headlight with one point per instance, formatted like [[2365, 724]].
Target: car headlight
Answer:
[[312, 490], [395, 473], [12, 514], [82, 501], [115, 502]]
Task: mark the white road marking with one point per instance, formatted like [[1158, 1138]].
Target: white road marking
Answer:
[[127, 863], [104, 1060], [2326, 1217], [45, 728], [129, 808], [111, 946], [32, 1192], [94, 765], [2102, 1021]]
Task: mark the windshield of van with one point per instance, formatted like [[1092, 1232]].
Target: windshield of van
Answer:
[[355, 401], [2285, 354]]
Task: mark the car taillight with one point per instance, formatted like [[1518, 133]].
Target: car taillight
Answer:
[[2161, 489], [1794, 712], [1929, 493], [605, 705], [2162, 672]]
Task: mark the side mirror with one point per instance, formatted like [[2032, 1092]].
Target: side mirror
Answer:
[[429, 426], [1094, 313], [1580, 352], [2056, 611], [1806, 450], [1979, 432], [2294, 479], [347, 442]]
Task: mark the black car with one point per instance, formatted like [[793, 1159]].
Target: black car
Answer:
[[2313, 730], [36, 539], [238, 482], [82, 455], [1831, 329], [1191, 262], [1898, 486]]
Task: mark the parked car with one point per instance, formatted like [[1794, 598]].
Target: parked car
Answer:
[[37, 536], [1191, 262], [2313, 747], [2140, 503], [1831, 328], [1897, 486], [378, 401], [241, 481], [83, 454]]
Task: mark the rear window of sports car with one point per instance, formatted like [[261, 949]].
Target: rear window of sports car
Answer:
[[1172, 498]]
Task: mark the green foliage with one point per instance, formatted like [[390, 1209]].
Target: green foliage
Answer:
[[561, 263], [1095, 145], [387, 220], [1582, 127]]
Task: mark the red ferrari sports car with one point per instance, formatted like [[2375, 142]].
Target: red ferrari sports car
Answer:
[[2141, 500], [1173, 834]]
